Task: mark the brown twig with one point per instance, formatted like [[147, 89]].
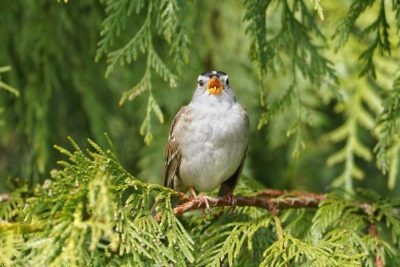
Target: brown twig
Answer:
[[272, 200], [373, 231], [270, 204]]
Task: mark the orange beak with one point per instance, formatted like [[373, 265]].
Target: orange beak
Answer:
[[214, 86]]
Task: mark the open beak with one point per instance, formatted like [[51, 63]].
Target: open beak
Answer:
[[214, 86]]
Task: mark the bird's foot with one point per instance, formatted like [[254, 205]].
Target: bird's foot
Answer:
[[203, 199], [230, 198]]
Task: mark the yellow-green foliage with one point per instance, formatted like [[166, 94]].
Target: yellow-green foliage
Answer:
[[93, 212], [320, 81]]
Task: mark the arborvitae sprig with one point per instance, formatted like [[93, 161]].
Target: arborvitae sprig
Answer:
[[163, 18], [388, 147], [276, 107], [10, 236], [290, 250], [292, 101], [356, 116], [227, 241], [5, 86], [118, 13], [379, 27], [10, 241], [92, 211], [282, 43], [292, 40], [292, 50], [346, 25], [256, 16]]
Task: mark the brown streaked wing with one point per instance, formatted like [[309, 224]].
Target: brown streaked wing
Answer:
[[172, 154]]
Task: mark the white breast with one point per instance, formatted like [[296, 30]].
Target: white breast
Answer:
[[212, 142]]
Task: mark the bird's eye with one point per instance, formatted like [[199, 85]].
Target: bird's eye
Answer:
[[200, 83], [227, 82]]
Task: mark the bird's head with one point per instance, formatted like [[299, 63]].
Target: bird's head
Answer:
[[213, 86], [213, 82]]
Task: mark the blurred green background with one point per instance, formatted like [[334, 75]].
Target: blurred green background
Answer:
[[51, 48]]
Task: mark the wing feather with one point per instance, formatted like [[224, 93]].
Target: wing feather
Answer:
[[172, 154]]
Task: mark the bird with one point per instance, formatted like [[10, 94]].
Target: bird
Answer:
[[208, 140]]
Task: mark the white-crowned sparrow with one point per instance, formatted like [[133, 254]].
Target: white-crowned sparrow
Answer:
[[208, 139]]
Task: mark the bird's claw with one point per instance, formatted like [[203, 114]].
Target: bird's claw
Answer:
[[205, 200], [230, 198]]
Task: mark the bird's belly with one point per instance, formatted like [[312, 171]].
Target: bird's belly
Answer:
[[210, 166], [212, 153]]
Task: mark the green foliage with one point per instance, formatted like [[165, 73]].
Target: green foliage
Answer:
[[388, 146], [357, 116], [323, 91], [343, 30], [292, 40], [324, 253], [9, 242], [256, 16], [42, 57], [93, 212], [356, 98], [379, 27], [226, 241], [161, 18], [308, 57], [6, 86]]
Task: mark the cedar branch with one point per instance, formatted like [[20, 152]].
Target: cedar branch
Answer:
[[272, 200], [271, 204], [373, 231]]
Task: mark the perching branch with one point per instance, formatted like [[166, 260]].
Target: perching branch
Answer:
[[272, 204], [272, 200], [373, 231]]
